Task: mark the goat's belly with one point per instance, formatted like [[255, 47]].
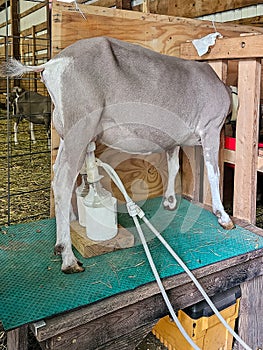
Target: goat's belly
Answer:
[[138, 128]]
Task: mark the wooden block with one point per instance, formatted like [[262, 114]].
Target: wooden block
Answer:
[[88, 247]]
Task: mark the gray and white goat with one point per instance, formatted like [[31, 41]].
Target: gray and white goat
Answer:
[[33, 107], [132, 99]]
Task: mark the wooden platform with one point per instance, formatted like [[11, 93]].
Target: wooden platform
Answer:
[[122, 320]]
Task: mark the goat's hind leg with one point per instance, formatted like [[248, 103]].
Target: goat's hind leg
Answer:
[[172, 155], [210, 149], [63, 184]]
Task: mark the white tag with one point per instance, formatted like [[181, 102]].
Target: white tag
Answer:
[[202, 45]]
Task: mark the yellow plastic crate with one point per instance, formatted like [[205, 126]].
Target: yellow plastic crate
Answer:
[[207, 332]]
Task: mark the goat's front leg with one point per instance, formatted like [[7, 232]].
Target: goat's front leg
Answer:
[[172, 155], [32, 134], [63, 184], [15, 132], [210, 149]]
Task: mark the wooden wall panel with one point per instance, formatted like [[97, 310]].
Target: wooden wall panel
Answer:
[[160, 33]]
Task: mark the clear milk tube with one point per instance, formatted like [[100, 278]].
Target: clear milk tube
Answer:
[[81, 192]]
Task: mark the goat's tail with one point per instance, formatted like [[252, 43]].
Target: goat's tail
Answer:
[[14, 68]]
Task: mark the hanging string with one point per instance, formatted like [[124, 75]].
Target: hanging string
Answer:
[[79, 10]]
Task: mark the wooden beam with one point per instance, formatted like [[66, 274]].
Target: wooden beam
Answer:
[[15, 28], [230, 157], [101, 3], [17, 338], [245, 46], [245, 180], [250, 21], [123, 4], [195, 8], [250, 314]]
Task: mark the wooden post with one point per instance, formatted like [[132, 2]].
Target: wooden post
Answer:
[[146, 6], [33, 32], [250, 323], [17, 338], [123, 4], [15, 30], [245, 179]]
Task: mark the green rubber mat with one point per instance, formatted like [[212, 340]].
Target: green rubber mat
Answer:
[[32, 287]]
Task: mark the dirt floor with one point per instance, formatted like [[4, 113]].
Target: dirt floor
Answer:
[[28, 182]]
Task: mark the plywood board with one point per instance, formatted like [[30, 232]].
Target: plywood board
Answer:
[[245, 181], [158, 32], [244, 46]]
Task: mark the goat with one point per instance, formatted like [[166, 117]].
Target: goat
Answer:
[[33, 107], [132, 99]]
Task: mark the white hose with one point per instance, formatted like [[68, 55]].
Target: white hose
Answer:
[[135, 210], [198, 285]]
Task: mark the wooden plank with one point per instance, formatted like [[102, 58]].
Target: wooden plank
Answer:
[[245, 180], [227, 48], [195, 8], [101, 3], [129, 341], [250, 21], [260, 163], [230, 157], [250, 322], [17, 338], [146, 6], [74, 331]]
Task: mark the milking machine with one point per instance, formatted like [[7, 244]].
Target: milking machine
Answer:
[[98, 213], [96, 206]]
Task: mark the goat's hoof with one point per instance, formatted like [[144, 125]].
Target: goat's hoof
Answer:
[[169, 203], [58, 249], [227, 225], [77, 267]]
